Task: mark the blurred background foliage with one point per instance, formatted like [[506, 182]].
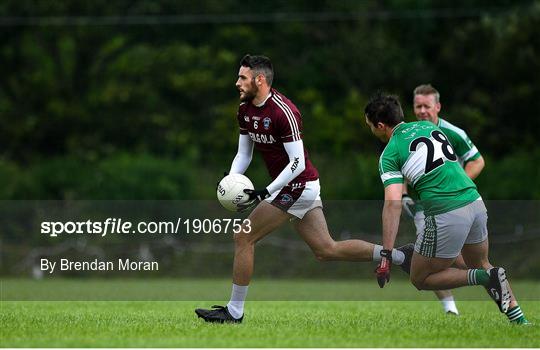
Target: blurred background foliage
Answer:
[[136, 99]]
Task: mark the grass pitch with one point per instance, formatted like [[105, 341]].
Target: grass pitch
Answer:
[[300, 323]]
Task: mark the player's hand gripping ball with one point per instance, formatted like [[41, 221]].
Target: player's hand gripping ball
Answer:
[[230, 191]]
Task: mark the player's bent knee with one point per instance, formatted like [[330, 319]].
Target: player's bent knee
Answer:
[[321, 256], [326, 253], [417, 281], [243, 238], [418, 284], [237, 237]]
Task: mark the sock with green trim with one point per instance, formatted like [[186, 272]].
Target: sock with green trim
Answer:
[[397, 256], [515, 315], [477, 277]]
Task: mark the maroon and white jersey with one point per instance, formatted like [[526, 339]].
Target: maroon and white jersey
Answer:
[[276, 122]]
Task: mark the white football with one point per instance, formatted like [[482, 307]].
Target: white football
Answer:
[[230, 191]]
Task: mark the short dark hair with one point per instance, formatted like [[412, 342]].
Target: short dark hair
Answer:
[[427, 89], [384, 109], [259, 65]]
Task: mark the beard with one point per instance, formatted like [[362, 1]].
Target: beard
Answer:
[[250, 94]]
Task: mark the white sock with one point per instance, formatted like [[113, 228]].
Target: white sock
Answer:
[[449, 305], [236, 304], [397, 257]]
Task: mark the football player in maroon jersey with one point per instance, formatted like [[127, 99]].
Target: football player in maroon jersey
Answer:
[[271, 123]]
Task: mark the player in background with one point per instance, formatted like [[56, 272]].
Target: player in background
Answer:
[[454, 217], [427, 106], [272, 124]]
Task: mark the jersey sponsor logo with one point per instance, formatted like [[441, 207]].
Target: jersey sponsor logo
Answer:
[[256, 118], [285, 198], [261, 138], [295, 164], [266, 123], [413, 130]]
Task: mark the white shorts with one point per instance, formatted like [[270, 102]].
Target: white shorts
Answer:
[[443, 235], [297, 198]]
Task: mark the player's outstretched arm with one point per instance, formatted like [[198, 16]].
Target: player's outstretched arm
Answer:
[[390, 218], [391, 214], [243, 156]]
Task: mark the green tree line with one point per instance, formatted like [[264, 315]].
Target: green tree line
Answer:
[[136, 99]]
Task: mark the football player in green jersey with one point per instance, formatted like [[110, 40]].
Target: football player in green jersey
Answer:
[[427, 106], [454, 217]]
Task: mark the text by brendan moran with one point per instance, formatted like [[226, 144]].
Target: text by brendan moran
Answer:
[[97, 265]]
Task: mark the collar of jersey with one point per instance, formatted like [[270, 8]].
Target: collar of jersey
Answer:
[[264, 102], [397, 127]]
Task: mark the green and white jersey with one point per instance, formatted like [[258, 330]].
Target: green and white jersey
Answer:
[[465, 149], [420, 153]]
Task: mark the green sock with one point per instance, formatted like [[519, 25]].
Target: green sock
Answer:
[[482, 277], [477, 277], [515, 315]]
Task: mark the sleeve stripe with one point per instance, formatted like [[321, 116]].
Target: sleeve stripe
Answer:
[[290, 116], [473, 151], [391, 175], [462, 134]]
